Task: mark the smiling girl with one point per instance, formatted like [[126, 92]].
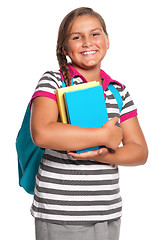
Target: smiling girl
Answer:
[[77, 196]]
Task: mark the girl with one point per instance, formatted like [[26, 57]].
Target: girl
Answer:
[[77, 196]]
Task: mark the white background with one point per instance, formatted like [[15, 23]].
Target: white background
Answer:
[[27, 49]]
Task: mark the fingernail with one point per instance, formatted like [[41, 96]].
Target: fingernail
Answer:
[[100, 151]]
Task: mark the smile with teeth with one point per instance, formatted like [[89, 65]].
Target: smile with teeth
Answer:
[[88, 52]]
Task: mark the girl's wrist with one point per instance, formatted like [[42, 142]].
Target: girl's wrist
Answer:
[[102, 137]]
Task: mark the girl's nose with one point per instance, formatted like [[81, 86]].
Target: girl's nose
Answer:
[[87, 42]]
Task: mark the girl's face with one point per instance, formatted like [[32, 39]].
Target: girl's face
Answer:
[[87, 43]]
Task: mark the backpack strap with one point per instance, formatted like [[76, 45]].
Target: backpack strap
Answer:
[[117, 95], [64, 84]]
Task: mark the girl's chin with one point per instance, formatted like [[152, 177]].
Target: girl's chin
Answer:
[[86, 65], [91, 65]]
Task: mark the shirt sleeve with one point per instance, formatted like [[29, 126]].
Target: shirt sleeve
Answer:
[[47, 85], [128, 109]]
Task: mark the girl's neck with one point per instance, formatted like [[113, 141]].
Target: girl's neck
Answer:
[[90, 74]]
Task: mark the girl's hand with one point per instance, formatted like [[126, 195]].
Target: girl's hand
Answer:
[[94, 155], [113, 133]]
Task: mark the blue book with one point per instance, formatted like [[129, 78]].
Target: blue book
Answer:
[[86, 108]]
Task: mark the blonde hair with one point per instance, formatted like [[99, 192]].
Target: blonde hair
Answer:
[[63, 32]]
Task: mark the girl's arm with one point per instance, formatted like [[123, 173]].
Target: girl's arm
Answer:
[[48, 133], [133, 152]]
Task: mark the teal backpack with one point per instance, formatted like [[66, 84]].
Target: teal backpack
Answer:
[[29, 155]]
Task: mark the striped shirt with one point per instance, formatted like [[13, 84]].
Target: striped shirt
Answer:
[[78, 192]]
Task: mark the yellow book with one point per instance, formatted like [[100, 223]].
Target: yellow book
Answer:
[[60, 97]]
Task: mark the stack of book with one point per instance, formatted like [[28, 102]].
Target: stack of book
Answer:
[[83, 105]]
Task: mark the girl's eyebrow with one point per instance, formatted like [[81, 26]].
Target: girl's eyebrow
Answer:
[[90, 31], [96, 29], [75, 33]]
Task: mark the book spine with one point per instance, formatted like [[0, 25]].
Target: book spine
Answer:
[[59, 102], [66, 109]]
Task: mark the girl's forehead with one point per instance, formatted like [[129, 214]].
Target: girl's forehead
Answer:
[[85, 23]]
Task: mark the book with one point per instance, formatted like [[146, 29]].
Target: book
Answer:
[[86, 108], [60, 97]]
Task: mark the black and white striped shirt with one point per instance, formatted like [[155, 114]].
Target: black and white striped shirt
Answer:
[[70, 191]]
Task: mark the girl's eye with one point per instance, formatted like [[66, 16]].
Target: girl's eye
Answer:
[[76, 37], [95, 34]]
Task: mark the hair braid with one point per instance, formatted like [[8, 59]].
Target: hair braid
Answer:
[[63, 66]]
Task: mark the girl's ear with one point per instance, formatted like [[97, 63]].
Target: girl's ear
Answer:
[[64, 51], [107, 41]]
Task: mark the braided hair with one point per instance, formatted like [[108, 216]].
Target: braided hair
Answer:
[[63, 33]]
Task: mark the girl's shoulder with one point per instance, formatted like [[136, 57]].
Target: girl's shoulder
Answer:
[[48, 84], [120, 87], [51, 77], [54, 73]]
